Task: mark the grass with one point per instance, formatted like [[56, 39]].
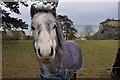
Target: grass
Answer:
[[98, 57], [114, 23], [19, 59]]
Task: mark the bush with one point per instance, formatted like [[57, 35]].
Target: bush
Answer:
[[28, 37]]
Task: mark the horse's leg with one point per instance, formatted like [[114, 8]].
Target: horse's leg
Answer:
[[73, 76]]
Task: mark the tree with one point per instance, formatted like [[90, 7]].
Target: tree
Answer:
[[81, 34], [72, 33], [88, 31], [67, 25], [9, 22]]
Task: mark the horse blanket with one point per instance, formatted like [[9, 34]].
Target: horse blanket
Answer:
[[72, 61]]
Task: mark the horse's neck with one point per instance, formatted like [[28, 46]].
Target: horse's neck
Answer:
[[55, 66]]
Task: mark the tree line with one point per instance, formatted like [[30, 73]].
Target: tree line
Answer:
[[9, 22]]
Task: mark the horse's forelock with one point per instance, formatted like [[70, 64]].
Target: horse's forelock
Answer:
[[39, 9]]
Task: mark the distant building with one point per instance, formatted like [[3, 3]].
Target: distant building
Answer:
[[82, 38]]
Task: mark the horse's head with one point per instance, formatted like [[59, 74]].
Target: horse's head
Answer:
[[46, 33]]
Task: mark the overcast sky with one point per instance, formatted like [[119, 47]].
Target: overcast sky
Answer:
[[79, 11], [88, 12]]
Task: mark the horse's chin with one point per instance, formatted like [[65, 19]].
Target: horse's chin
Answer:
[[46, 61]]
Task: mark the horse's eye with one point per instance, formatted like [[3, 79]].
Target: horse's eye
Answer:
[[32, 28], [54, 26]]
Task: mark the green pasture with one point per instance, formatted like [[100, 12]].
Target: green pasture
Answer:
[[98, 57], [20, 61]]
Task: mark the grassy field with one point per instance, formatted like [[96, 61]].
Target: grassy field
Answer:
[[98, 57], [19, 59]]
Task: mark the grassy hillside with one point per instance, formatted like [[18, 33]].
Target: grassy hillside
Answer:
[[114, 23], [108, 30], [19, 59], [111, 22]]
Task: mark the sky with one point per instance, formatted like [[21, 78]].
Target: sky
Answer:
[[81, 12]]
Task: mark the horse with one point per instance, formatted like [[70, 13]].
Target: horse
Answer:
[[59, 60]]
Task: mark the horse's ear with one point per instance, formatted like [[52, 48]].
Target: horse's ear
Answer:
[[53, 11], [54, 8], [33, 10]]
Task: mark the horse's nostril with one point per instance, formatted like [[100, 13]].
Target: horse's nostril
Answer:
[[39, 52], [51, 53]]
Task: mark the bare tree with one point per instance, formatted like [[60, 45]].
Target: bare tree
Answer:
[[88, 31], [82, 34]]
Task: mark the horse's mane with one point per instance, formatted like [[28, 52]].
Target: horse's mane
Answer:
[[60, 35]]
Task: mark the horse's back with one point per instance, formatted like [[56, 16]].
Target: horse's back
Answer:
[[73, 58]]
